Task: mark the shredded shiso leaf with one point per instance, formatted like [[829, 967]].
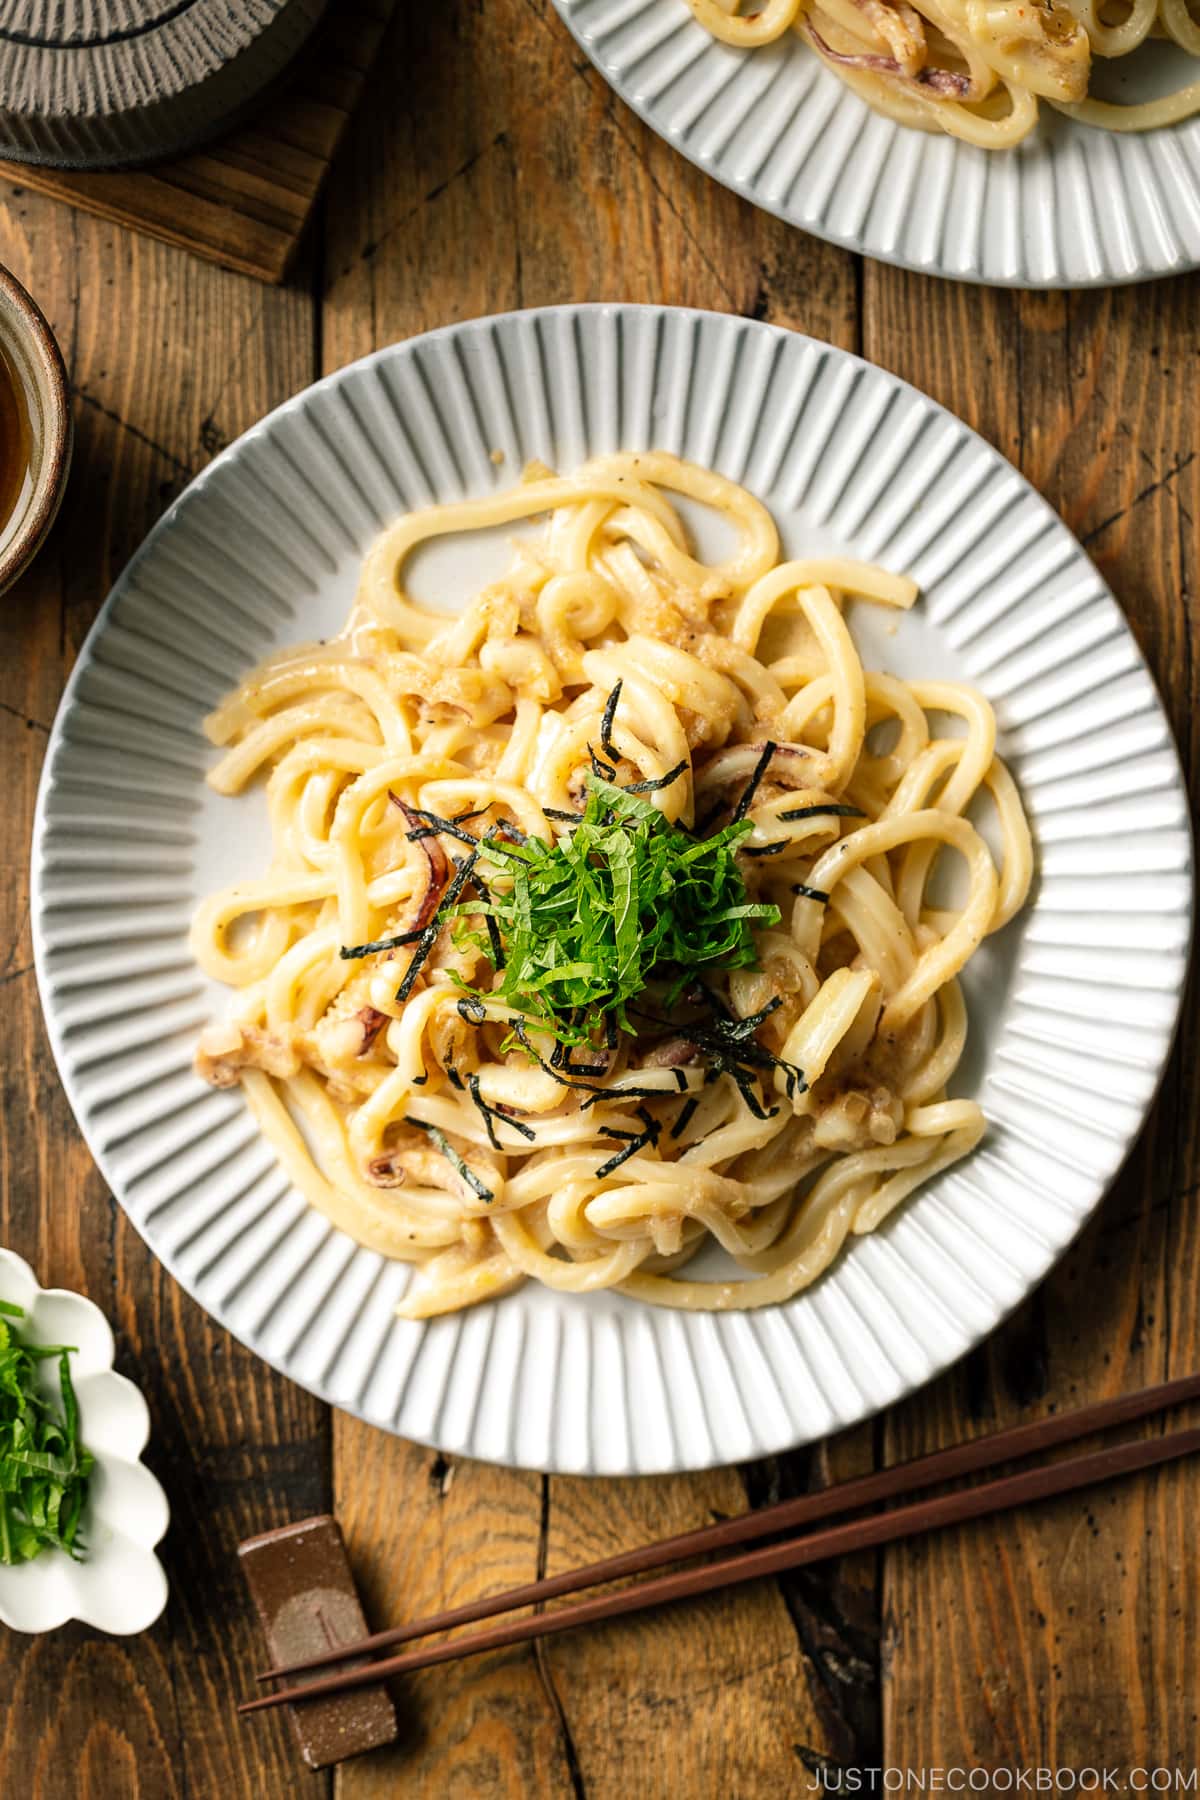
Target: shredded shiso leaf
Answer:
[[624, 898], [44, 1468], [623, 903]]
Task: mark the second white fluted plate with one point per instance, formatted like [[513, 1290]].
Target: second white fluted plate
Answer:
[[1072, 1008], [1071, 206]]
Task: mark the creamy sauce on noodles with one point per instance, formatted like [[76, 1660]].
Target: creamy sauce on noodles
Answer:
[[775, 1111], [976, 69]]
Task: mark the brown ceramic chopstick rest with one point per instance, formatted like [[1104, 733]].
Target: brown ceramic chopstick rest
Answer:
[[303, 1588]]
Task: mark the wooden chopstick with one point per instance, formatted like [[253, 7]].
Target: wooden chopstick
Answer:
[[837, 1540], [1009, 1445]]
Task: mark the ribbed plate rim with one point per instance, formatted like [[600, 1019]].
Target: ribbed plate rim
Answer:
[[860, 243], [683, 1458]]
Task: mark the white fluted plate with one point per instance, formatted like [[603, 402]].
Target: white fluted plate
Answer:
[[119, 1586], [1070, 207], [1072, 1008]]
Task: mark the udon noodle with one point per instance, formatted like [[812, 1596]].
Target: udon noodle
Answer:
[[974, 68], [424, 1117]]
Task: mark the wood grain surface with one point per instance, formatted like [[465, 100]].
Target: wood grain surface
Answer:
[[245, 199], [1066, 1638]]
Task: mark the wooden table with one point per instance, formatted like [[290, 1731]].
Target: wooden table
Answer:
[[500, 172]]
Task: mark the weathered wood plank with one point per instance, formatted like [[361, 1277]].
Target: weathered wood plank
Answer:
[[427, 1532], [743, 1694], [167, 359], [1069, 1635]]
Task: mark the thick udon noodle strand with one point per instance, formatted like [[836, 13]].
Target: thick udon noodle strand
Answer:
[[974, 68], [423, 1131]]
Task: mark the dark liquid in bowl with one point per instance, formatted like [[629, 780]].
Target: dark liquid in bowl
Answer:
[[14, 440]]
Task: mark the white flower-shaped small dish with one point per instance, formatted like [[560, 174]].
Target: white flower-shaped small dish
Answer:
[[120, 1585]]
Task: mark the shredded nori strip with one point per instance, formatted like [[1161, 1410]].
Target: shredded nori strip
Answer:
[[435, 826], [686, 1112], [596, 1095], [476, 1184], [622, 1156], [732, 1049], [742, 1028], [745, 1086], [775, 849], [606, 724], [660, 781], [812, 812], [472, 1011], [637, 1141], [751, 787], [496, 946], [752, 1021], [484, 1110], [706, 820], [489, 1113], [585, 1087], [347, 951], [809, 893], [601, 770], [430, 934], [566, 818]]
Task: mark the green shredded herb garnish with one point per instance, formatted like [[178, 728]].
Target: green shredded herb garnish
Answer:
[[624, 898], [44, 1468]]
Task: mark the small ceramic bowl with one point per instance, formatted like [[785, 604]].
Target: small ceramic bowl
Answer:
[[28, 347], [120, 1585]]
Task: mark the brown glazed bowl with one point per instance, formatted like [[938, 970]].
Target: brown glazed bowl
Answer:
[[41, 380]]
